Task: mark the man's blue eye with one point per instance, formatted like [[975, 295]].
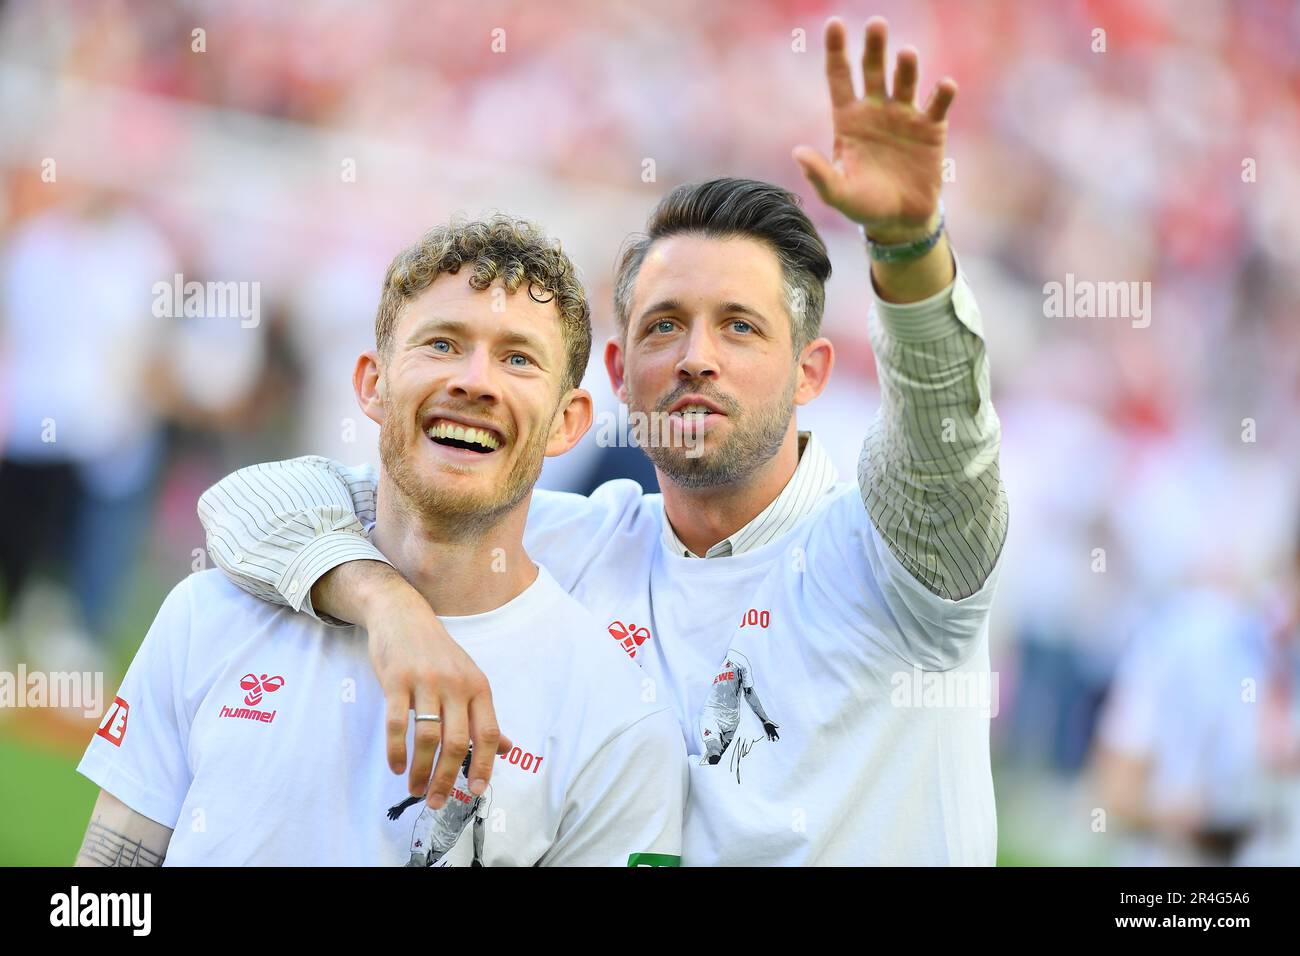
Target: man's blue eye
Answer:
[[441, 345], [741, 326], [522, 360], [663, 326]]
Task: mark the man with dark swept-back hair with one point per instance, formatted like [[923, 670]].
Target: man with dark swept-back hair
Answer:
[[723, 208], [861, 607]]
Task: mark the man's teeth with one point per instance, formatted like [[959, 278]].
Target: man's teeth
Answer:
[[698, 411], [474, 436]]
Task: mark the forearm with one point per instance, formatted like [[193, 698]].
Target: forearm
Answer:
[[914, 279], [352, 592], [118, 836], [929, 467]]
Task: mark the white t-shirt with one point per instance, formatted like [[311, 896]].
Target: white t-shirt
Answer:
[[256, 734], [880, 759]]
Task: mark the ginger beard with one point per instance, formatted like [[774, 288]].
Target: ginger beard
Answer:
[[468, 511], [755, 437]]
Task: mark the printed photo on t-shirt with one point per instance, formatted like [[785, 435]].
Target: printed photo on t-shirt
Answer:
[[720, 718], [437, 832]]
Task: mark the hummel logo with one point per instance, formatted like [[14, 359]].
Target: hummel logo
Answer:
[[256, 685], [629, 636]]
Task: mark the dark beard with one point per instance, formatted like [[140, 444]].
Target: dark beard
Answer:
[[750, 445]]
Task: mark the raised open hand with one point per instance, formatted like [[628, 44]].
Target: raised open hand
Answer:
[[886, 165]]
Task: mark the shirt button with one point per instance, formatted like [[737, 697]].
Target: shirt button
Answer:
[[293, 585], [239, 557]]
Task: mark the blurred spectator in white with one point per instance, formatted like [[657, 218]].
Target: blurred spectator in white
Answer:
[[333, 321], [1275, 841], [82, 350], [1198, 755]]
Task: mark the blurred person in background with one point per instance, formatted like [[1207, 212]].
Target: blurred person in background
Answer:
[[1198, 752], [82, 351], [1276, 839], [1177, 746]]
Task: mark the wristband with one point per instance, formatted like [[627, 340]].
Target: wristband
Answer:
[[905, 251]]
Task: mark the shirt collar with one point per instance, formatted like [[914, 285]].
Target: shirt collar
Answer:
[[813, 477]]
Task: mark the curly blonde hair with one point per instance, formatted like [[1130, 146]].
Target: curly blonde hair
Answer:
[[515, 251]]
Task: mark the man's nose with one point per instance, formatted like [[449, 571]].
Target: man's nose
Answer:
[[473, 379], [700, 360]]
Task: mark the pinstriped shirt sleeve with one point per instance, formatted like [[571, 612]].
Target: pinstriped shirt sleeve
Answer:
[[275, 528], [929, 466]]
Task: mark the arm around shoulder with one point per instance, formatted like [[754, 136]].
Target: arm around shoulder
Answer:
[[277, 528]]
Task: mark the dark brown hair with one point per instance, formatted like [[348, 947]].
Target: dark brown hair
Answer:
[[726, 208]]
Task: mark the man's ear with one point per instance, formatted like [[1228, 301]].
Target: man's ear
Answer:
[[614, 355], [815, 363], [368, 384], [572, 420]]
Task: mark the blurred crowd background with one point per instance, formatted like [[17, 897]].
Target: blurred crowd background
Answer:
[[1147, 632]]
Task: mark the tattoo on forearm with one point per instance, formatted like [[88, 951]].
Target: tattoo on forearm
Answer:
[[104, 846]]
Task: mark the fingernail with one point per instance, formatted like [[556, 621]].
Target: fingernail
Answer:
[[437, 802], [477, 786]]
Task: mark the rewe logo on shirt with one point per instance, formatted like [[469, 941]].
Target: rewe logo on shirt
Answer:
[[113, 727], [256, 687], [629, 636]]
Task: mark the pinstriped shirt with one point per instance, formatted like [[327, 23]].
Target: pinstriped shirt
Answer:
[[928, 470], [928, 475]]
